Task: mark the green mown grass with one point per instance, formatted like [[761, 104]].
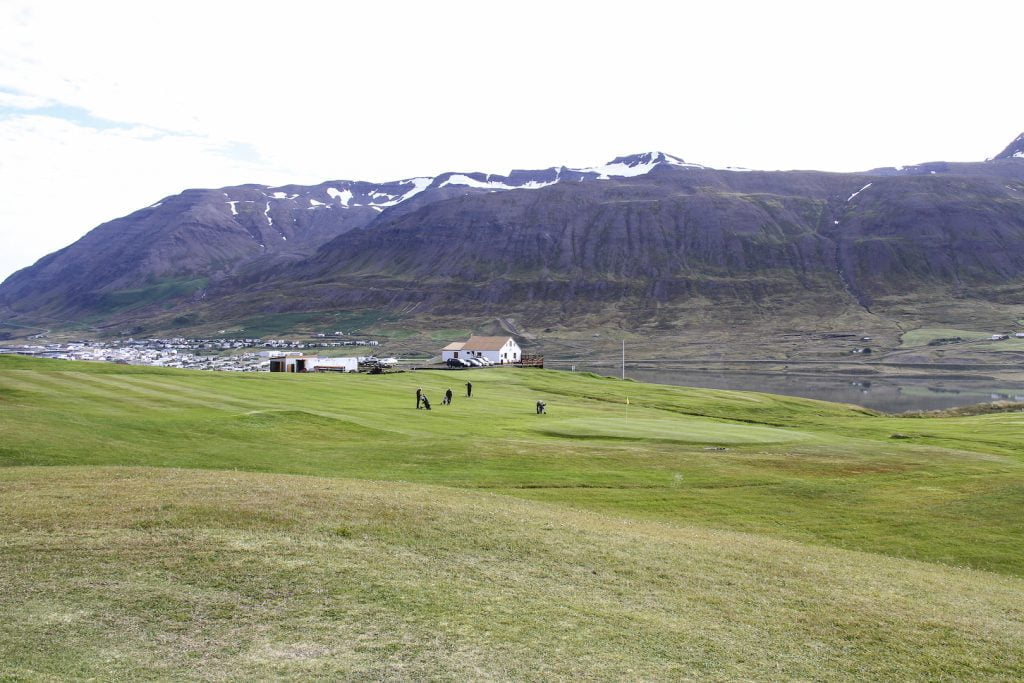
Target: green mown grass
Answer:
[[692, 532], [787, 467]]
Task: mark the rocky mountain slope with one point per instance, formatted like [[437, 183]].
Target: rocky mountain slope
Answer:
[[646, 233], [180, 244]]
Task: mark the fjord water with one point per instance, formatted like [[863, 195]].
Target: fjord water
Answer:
[[888, 394]]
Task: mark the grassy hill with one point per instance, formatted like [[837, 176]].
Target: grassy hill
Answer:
[[171, 523]]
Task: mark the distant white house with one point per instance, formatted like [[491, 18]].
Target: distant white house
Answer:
[[498, 350], [313, 364]]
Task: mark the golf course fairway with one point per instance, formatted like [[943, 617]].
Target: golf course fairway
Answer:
[[176, 524]]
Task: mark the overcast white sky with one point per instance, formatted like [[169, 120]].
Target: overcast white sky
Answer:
[[105, 107]]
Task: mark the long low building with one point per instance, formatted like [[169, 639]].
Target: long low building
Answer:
[[313, 364], [498, 350]]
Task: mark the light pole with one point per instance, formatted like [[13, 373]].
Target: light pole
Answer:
[[623, 359]]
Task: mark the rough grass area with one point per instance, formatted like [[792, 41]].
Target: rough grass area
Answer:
[[147, 573], [977, 409], [923, 335]]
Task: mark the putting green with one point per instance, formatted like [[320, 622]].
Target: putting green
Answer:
[[679, 429]]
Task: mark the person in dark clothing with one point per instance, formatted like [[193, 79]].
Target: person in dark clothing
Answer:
[[542, 407], [419, 395], [426, 402], [469, 390], [447, 397]]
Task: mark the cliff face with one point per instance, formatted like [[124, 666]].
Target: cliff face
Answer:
[[642, 232], [679, 233]]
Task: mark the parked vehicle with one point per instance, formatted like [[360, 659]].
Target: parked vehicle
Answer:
[[475, 362], [457, 363]]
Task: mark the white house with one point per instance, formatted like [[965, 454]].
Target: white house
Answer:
[[498, 350], [313, 364]]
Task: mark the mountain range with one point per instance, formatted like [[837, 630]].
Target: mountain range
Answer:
[[645, 242]]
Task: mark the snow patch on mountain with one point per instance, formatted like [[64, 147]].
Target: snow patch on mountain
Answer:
[[850, 198], [459, 179], [493, 185], [636, 165], [234, 207], [418, 185], [343, 196], [533, 185]]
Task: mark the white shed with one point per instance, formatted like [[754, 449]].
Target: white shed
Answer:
[[337, 364], [313, 364], [453, 350]]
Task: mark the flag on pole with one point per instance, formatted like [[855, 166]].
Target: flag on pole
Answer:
[[627, 400]]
